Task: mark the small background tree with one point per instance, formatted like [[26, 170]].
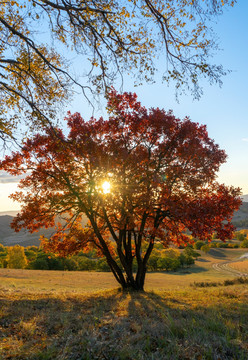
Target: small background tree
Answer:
[[16, 257]]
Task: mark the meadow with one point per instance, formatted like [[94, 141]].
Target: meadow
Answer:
[[57, 315]]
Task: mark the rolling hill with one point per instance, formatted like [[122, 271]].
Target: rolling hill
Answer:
[[8, 237]]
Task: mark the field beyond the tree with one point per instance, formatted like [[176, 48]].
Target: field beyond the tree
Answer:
[[56, 315]]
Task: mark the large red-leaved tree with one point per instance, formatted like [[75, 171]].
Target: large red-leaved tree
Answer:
[[139, 177]]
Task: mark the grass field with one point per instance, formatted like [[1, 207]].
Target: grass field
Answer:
[[79, 316], [89, 282], [240, 265]]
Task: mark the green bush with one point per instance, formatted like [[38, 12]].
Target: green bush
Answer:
[[30, 254], [205, 248], [186, 260], [84, 263], [39, 264], [102, 265], [55, 263], [213, 245], [198, 244], [47, 262], [222, 245], [168, 264], [153, 262], [69, 264], [189, 251], [244, 244]]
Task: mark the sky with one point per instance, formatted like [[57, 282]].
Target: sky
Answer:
[[224, 110]]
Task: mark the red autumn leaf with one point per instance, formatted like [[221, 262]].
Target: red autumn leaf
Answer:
[[160, 180]]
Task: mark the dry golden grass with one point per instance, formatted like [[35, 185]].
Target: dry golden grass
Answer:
[[53, 315], [241, 266], [89, 282], [184, 324]]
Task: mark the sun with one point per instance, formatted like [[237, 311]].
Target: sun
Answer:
[[106, 187]]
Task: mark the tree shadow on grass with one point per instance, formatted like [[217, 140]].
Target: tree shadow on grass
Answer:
[[190, 270], [202, 260], [130, 325], [217, 253]]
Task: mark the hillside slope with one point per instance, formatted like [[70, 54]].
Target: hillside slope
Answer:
[[9, 237], [240, 218]]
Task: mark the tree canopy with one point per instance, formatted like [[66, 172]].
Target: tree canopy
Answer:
[[41, 41], [140, 177]]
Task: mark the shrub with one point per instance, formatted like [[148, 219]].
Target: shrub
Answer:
[[233, 246], [240, 236], [39, 264], [168, 264], [205, 248], [153, 262], [198, 244], [102, 265], [244, 244], [189, 251], [222, 245], [171, 253], [55, 263], [213, 245], [47, 262], [69, 264], [186, 260], [30, 254], [85, 264]]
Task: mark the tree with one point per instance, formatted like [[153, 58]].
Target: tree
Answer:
[[112, 37], [16, 257], [244, 244], [141, 176]]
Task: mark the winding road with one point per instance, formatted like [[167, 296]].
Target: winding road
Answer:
[[224, 267]]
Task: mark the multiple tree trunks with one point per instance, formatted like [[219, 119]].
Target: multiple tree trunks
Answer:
[[160, 172]]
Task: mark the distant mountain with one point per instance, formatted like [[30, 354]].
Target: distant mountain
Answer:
[[8, 237], [244, 198], [240, 218], [11, 213]]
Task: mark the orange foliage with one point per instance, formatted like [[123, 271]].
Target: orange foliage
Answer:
[[162, 173]]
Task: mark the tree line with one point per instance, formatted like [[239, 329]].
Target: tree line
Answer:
[[32, 257], [170, 259]]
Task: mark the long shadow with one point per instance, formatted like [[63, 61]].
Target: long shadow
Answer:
[[202, 260], [191, 270], [129, 325], [217, 253]]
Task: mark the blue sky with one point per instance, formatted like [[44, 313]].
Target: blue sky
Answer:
[[224, 110]]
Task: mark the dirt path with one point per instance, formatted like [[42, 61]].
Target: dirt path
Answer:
[[225, 268]]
